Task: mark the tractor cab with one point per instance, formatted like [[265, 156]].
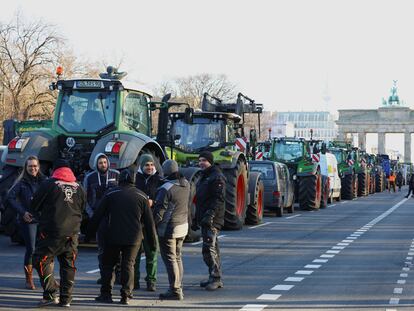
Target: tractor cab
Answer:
[[288, 150]]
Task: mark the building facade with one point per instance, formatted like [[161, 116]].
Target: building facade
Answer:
[[322, 123]]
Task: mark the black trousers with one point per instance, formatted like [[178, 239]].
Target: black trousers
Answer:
[[211, 251], [171, 253], [110, 258], [410, 189], [66, 250]]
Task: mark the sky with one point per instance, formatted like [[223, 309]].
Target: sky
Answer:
[[288, 55]]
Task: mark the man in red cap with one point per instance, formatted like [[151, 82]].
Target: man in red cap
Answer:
[[59, 202]]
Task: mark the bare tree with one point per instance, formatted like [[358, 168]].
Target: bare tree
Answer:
[[27, 52]]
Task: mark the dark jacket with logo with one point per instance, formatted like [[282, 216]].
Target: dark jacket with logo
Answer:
[[148, 183], [128, 214], [210, 196], [20, 195], [171, 208], [59, 203]]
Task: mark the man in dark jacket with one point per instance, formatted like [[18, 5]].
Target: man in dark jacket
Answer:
[[210, 204], [59, 202], [171, 219], [96, 184], [128, 212], [147, 180], [410, 185]]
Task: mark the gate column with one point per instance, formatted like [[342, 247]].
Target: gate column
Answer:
[[381, 142], [362, 140], [407, 147]]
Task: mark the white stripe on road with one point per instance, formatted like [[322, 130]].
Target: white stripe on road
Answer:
[[294, 279], [93, 271], [342, 244], [401, 281], [327, 256], [253, 307], [403, 275], [261, 225], [312, 266], [398, 290], [282, 287], [338, 247], [332, 205], [394, 301], [199, 242], [290, 217], [347, 241], [333, 252], [268, 297], [304, 272], [320, 260]]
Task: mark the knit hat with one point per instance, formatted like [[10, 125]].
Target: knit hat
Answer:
[[60, 163], [208, 156], [144, 159], [126, 177], [169, 167]]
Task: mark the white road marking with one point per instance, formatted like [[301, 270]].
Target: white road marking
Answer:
[[343, 202], [93, 271], [294, 279], [333, 205], [320, 260], [352, 237], [406, 269], [268, 297], [409, 258], [410, 253], [261, 225], [394, 301], [403, 275], [312, 266], [290, 217], [304, 272], [338, 247], [398, 290], [327, 256], [38, 296], [347, 241], [401, 281], [282, 287], [333, 252], [342, 244], [221, 236], [253, 307]]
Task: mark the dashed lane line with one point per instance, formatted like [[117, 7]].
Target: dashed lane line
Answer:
[[199, 242], [294, 279], [282, 287], [268, 297], [253, 307], [261, 225], [290, 217]]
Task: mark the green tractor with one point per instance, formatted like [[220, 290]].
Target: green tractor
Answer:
[[346, 168], [217, 128], [361, 168], [303, 164], [91, 116]]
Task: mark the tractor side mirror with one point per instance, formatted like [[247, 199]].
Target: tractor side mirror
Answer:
[[166, 98], [188, 115]]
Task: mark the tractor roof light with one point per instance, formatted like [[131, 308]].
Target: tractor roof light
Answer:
[[115, 147]]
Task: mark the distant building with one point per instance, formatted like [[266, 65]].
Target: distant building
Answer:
[[321, 122], [283, 129]]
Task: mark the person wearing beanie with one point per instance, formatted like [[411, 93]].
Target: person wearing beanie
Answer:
[[210, 207], [96, 183], [131, 219], [171, 220], [59, 202], [147, 180]]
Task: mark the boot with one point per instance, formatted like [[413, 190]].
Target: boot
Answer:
[[215, 284], [28, 271]]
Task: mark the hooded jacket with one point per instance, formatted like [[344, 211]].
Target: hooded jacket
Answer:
[[171, 208], [59, 202], [129, 217], [20, 195], [210, 195], [96, 183]]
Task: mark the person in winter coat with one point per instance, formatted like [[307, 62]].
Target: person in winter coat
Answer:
[[410, 185], [96, 184], [171, 220], [19, 198], [147, 180], [210, 194], [129, 215], [59, 202], [399, 180]]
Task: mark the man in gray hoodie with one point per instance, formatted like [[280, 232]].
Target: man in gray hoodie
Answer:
[[171, 220]]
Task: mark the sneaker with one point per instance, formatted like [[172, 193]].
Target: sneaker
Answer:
[[151, 286], [104, 299], [125, 300], [170, 295], [64, 304], [48, 302], [214, 285]]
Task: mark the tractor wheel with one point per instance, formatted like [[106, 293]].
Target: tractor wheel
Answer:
[[355, 186], [347, 187], [236, 196], [325, 192], [379, 187], [291, 208], [362, 185], [254, 215], [373, 182], [310, 191], [8, 216]]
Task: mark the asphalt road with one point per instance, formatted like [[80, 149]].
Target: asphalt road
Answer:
[[354, 255]]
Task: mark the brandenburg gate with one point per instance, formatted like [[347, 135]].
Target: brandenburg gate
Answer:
[[392, 117]]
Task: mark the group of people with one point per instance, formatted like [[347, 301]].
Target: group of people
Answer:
[[131, 212], [395, 180]]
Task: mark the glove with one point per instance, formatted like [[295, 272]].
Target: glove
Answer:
[[207, 219]]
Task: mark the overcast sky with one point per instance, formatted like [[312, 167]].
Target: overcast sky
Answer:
[[284, 54]]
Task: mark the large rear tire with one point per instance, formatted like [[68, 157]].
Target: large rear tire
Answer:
[[310, 191], [325, 192], [236, 196], [254, 215], [362, 184], [347, 187], [379, 186]]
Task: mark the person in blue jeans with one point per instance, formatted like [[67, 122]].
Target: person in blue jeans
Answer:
[[19, 198]]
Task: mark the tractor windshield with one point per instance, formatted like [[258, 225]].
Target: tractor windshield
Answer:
[[86, 111], [338, 155], [203, 133], [288, 151]]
